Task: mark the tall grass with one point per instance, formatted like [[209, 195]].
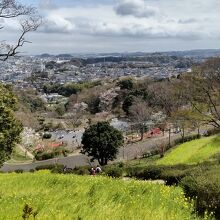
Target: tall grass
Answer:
[[193, 152], [65, 197]]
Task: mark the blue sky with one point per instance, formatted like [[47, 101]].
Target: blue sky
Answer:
[[84, 26]]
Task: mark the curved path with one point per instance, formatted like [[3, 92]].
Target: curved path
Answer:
[[128, 152], [70, 161]]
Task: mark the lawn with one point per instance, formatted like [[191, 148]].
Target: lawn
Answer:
[[56, 196], [18, 156], [193, 152]]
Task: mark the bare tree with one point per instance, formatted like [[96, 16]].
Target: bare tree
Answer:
[[165, 96], [202, 91], [161, 147], [29, 21], [140, 115]]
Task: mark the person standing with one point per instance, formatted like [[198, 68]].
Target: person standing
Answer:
[[93, 171]]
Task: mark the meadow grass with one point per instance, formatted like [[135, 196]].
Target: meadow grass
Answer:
[[193, 152], [64, 197]]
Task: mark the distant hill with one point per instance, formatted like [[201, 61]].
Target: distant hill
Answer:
[[156, 59], [203, 53], [195, 53]]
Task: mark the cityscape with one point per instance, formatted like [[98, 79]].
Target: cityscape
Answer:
[[109, 110]]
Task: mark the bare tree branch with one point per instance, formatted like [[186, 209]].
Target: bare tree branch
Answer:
[[30, 21], [12, 9]]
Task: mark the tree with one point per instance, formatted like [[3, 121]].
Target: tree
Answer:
[[165, 96], [29, 21], [140, 114], [60, 109], [181, 119], [101, 141], [202, 91], [10, 128], [127, 103], [126, 84]]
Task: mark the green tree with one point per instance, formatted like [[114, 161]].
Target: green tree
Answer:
[[101, 141], [128, 103], [126, 84], [10, 128], [93, 104]]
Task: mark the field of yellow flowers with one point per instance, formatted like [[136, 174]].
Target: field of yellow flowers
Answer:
[[64, 197]]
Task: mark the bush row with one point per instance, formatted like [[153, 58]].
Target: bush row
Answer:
[[170, 174], [45, 155], [173, 144], [187, 138], [212, 132], [204, 187]]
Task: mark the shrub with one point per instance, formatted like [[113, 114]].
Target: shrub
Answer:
[[126, 84], [114, 172], [217, 157], [187, 138], [121, 164], [82, 170], [172, 176], [58, 168], [150, 172], [212, 132], [152, 153], [68, 171], [47, 135], [44, 155], [19, 171], [45, 167], [131, 171], [204, 188]]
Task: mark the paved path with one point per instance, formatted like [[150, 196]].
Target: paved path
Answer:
[[128, 152], [71, 162], [137, 149]]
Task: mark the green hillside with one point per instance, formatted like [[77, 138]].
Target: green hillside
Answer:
[[56, 196], [192, 152]]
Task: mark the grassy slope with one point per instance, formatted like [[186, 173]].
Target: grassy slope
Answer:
[[192, 152], [78, 197], [18, 156]]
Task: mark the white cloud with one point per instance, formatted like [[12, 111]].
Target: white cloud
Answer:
[[57, 24], [103, 21], [127, 24], [47, 5], [151, 30], [136, 8]]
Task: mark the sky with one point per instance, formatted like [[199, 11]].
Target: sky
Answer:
[[97, 26]]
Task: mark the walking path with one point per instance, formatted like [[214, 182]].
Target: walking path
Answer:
[[127, 152]]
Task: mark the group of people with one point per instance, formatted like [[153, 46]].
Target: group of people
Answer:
[[95, 170]]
